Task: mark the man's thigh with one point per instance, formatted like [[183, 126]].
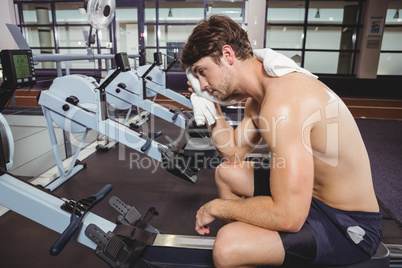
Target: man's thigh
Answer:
[[240, 244]]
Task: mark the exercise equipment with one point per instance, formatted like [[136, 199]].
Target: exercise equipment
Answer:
[[69, 217], [136, 88], [139, 88], [77, 104], [18, 71]]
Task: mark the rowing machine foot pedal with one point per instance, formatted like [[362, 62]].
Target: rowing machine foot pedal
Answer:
[[177, 164], [122, 247], [98, 236], [131, 216]]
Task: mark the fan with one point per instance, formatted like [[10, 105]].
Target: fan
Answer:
[[100, 15]]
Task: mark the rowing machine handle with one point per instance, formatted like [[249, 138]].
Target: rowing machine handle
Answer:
[[149, 140], [75, 221], [99, 196], [61, 242]]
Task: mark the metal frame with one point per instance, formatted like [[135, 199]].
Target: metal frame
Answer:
[[44, 208], [75, 115], [73, 169], [137, 96]]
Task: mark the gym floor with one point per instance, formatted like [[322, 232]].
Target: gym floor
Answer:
[[141, 182]]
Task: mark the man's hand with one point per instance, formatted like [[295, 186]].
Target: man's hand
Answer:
[[204, 218], [190, 88]]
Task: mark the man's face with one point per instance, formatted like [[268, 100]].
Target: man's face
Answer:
[[215, 78]]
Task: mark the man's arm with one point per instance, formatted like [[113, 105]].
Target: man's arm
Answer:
[[234, 144], [291, 180]]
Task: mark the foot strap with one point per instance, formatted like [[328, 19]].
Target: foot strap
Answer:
[[122, 247], [131, 216]]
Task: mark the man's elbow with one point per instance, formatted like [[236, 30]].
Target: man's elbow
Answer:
[[293, 228], [293, 224]]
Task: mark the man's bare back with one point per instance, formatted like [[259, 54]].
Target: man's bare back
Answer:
[[342, 176]]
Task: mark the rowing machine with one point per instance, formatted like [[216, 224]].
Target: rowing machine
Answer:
[[77, 104]]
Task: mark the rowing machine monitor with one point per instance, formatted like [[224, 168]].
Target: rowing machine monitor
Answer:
[[18, 68], [123, 65], [122, 62], [18, 71]]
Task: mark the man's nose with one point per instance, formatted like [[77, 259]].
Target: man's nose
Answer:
[[203, 83]]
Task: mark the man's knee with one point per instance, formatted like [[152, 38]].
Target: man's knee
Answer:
[[240, 244], [225, 246]]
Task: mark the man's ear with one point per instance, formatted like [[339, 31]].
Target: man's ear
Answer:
[[228, 54]]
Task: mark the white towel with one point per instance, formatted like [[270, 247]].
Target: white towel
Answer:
[[275, 64], [203, 102], [203, 110], [195, 84]]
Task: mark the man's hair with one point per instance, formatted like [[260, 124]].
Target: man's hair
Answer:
[[208, 38]]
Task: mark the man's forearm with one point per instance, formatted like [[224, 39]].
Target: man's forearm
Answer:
[[224, 138], [259, 211]]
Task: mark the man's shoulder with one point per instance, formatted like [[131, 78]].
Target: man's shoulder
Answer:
[[296, 97]]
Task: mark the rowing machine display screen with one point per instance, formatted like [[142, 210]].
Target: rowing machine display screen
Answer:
[[18, 68], [122, 61]]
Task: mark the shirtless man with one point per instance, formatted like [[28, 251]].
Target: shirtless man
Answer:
[[318, 205]]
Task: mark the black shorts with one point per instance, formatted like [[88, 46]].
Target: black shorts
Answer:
[[329, 236]]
